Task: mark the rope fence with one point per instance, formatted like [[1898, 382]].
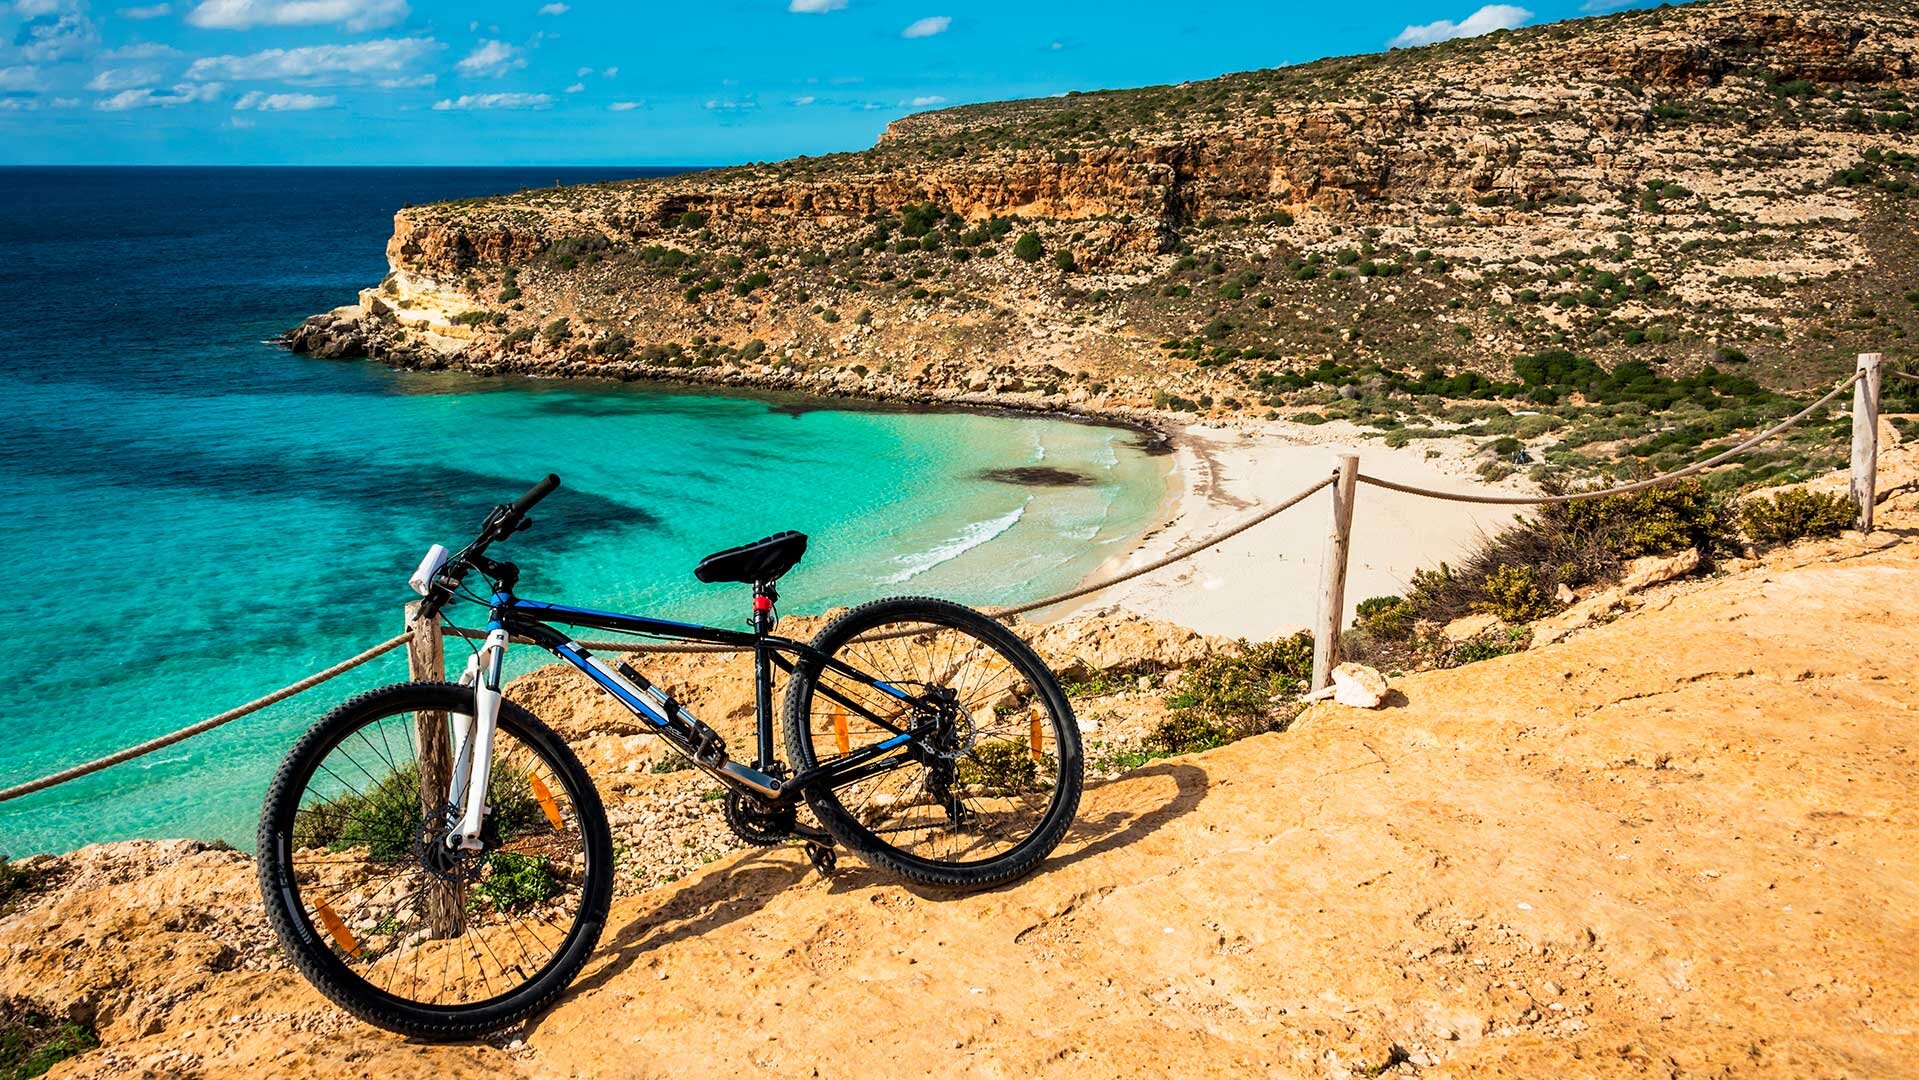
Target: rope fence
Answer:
[[427, 637], [1623, 489]]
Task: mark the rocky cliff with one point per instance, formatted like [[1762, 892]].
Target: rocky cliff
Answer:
[[1726, 183]]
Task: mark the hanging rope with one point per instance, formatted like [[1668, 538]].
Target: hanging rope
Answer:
[[206, 725], [1623, 489]]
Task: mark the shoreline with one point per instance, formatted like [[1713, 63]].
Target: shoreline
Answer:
[[1259, 585], [1264, 583]]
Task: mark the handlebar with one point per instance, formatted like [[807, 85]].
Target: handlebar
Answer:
[[503, 523], [533, 495]]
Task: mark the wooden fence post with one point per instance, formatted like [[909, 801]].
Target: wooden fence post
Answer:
[[426, 662], [1865, 438], [1332, 573]]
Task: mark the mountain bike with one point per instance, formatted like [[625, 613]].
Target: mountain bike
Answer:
[[437, 862]]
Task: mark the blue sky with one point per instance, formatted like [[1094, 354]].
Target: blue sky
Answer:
[[599, 82]]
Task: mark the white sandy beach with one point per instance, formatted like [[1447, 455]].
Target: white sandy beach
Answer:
[[1264, 582]]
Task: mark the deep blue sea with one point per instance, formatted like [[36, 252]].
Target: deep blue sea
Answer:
[[191, 516]]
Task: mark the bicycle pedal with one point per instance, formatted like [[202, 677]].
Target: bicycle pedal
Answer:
[[824, 860]]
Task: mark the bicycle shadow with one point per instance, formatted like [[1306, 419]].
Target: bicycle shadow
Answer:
[[760, 875], [1093, 836]]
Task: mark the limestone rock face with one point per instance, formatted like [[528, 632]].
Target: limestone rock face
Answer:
[[1467, 627], [1467, 165], [1653, 569]]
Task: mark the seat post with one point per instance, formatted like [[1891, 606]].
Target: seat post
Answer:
[[764, 597]]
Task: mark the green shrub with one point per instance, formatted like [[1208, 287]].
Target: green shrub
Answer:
[[1028, 248], [1389, 618], [1515, 572], [1000, 766], [1486, 647], [556, 331], [33, 1042], [519, 337], [387, 818], [473, 318], [1063, 258], [1517, 594], [1657, 521], [1795, 514], [614, 345], [515, 881], [1229, 691], [13, 882]]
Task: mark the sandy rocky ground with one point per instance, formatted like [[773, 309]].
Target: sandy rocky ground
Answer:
[[1680, 843]]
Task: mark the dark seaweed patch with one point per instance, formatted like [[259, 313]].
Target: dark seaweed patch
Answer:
[[1037, 476]]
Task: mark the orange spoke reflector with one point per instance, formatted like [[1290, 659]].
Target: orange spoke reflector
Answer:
[[1033, 735], [547, 803], [337, 928], [839, 732]]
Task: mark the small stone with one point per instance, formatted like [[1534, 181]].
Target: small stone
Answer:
[[1358, 686], [1653, 569], [1469, 627]]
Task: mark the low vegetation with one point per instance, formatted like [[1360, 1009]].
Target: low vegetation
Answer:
[[386, 819], [1235, 693], [1795, 514], [32, 1042]]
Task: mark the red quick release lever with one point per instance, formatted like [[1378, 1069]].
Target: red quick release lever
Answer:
[[762, 603]]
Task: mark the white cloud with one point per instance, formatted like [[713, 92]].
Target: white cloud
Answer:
[[1484, 21], [730, 105], [582, 73], [144, 50], [806, 100], [493, 58], [46, 37], [182, 94], [927, 27], [927, 99], [576, 88], [408, 82], [254, 99], [245, 14], [153, 11], [20, 77], [34, 9], [554, 9], [468, 102], [317, 62], [815, 7], [611, 73], [624, 106], [112, 79]]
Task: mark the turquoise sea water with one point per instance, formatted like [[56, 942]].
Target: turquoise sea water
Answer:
[[192, 516]]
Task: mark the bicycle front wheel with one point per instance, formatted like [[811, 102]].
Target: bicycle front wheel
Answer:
[[389, 923], [983, 800]]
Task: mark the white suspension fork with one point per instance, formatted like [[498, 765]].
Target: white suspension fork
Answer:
[[473, 749]]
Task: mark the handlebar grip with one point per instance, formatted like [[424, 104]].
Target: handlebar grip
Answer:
[[533, 495]]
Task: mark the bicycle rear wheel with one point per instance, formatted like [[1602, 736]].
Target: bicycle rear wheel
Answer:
[[387, 922], [984, 801]]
